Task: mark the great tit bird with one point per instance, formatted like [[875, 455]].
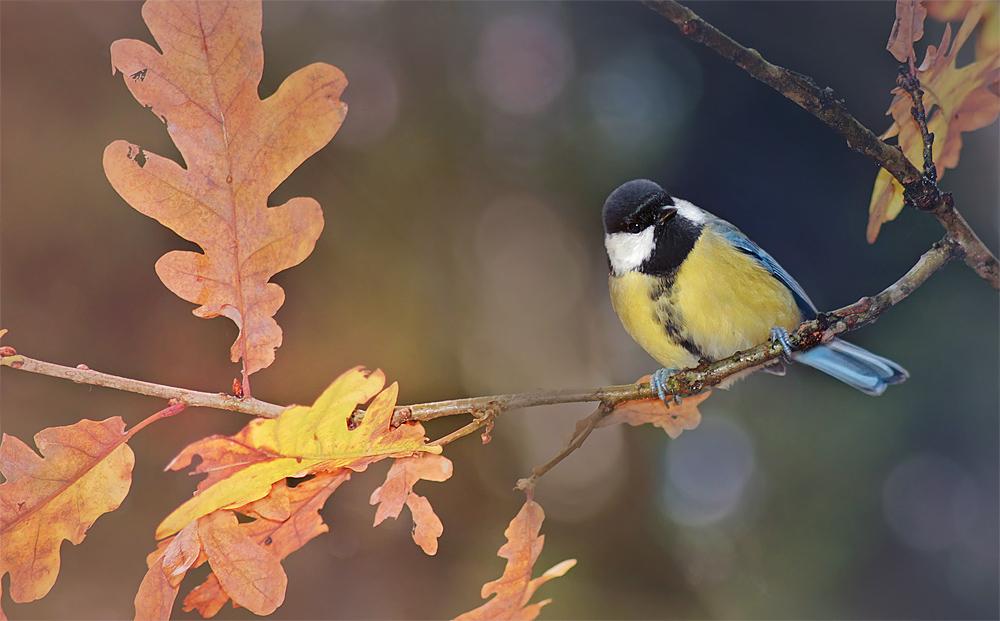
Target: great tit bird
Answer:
[[690, 287]]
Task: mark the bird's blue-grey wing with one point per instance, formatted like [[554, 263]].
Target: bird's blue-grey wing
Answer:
[[744, 244]]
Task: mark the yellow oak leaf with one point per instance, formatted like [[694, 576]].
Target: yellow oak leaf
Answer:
[[956, 10], [236, 149], [514, 589], [302, 440], [84, 472]]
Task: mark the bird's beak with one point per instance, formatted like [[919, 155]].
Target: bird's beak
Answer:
[[665, 214]]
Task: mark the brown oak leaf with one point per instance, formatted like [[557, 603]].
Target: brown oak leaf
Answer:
[[247, 571], [674, 418], [84, 472], [168, 565], [237, 149], [513, 590], [907, 29], [281, 537], [398, 490]]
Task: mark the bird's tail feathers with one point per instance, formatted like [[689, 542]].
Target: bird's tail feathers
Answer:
[[854, 366]]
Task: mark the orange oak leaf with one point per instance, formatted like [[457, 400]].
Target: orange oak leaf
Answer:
[[398, 490], [281, 536], [167, 567], [85, 471], [427, 526], [514, 589], [237, 149], [907, 29], [673, 419], [956, 100], [247, 571], [302, 440]]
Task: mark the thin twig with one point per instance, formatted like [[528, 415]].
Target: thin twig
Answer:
[[908, 81], [684, 383], [192, 398], [477, 423], [824, 105], [584, 427]]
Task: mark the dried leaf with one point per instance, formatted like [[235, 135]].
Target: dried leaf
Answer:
[[956, 100], [236, 148], [673, 419], [427, 526], [155, 598], [398, 490], [280, 537], [250, 574], [988, 41], [181, 554], [302, 440], [84, 472], [207, 598], [276, 506], [514, 589], [907, 29], [167, 567]]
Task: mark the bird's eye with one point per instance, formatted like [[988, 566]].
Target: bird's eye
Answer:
[[634, 227]]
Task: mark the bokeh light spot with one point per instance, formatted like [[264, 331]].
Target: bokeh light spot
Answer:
[[524, 62], [929, 502], [708, 471]]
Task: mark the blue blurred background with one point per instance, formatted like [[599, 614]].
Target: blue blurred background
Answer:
[[463, 254]]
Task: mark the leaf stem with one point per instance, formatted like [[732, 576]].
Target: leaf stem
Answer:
[[174, 408]]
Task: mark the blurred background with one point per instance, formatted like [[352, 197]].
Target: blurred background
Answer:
[[463, 254]]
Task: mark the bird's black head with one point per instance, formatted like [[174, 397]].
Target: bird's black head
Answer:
[[635, 205], [647, 230]]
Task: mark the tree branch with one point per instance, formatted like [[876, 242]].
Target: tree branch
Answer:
[[683, 383], [584, 428], [691, 381], [192, 398], [921, 191]]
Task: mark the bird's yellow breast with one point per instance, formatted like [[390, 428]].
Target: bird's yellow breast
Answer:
[[633, 298], [719, 301]]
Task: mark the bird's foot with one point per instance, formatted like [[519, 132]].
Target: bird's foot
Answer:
[[780, 336], [658, 381]]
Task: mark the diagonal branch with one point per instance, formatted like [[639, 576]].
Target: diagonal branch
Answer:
[[692, 381], [921, 190], [684, 383], [193, 398], [584, 428]]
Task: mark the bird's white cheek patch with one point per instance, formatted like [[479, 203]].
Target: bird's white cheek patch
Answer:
[[627, 251]]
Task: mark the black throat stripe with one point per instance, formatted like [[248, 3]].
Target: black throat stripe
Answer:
[[673, 241]]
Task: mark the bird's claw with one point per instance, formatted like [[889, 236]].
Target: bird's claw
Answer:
[[658, 381], [780, 336]]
